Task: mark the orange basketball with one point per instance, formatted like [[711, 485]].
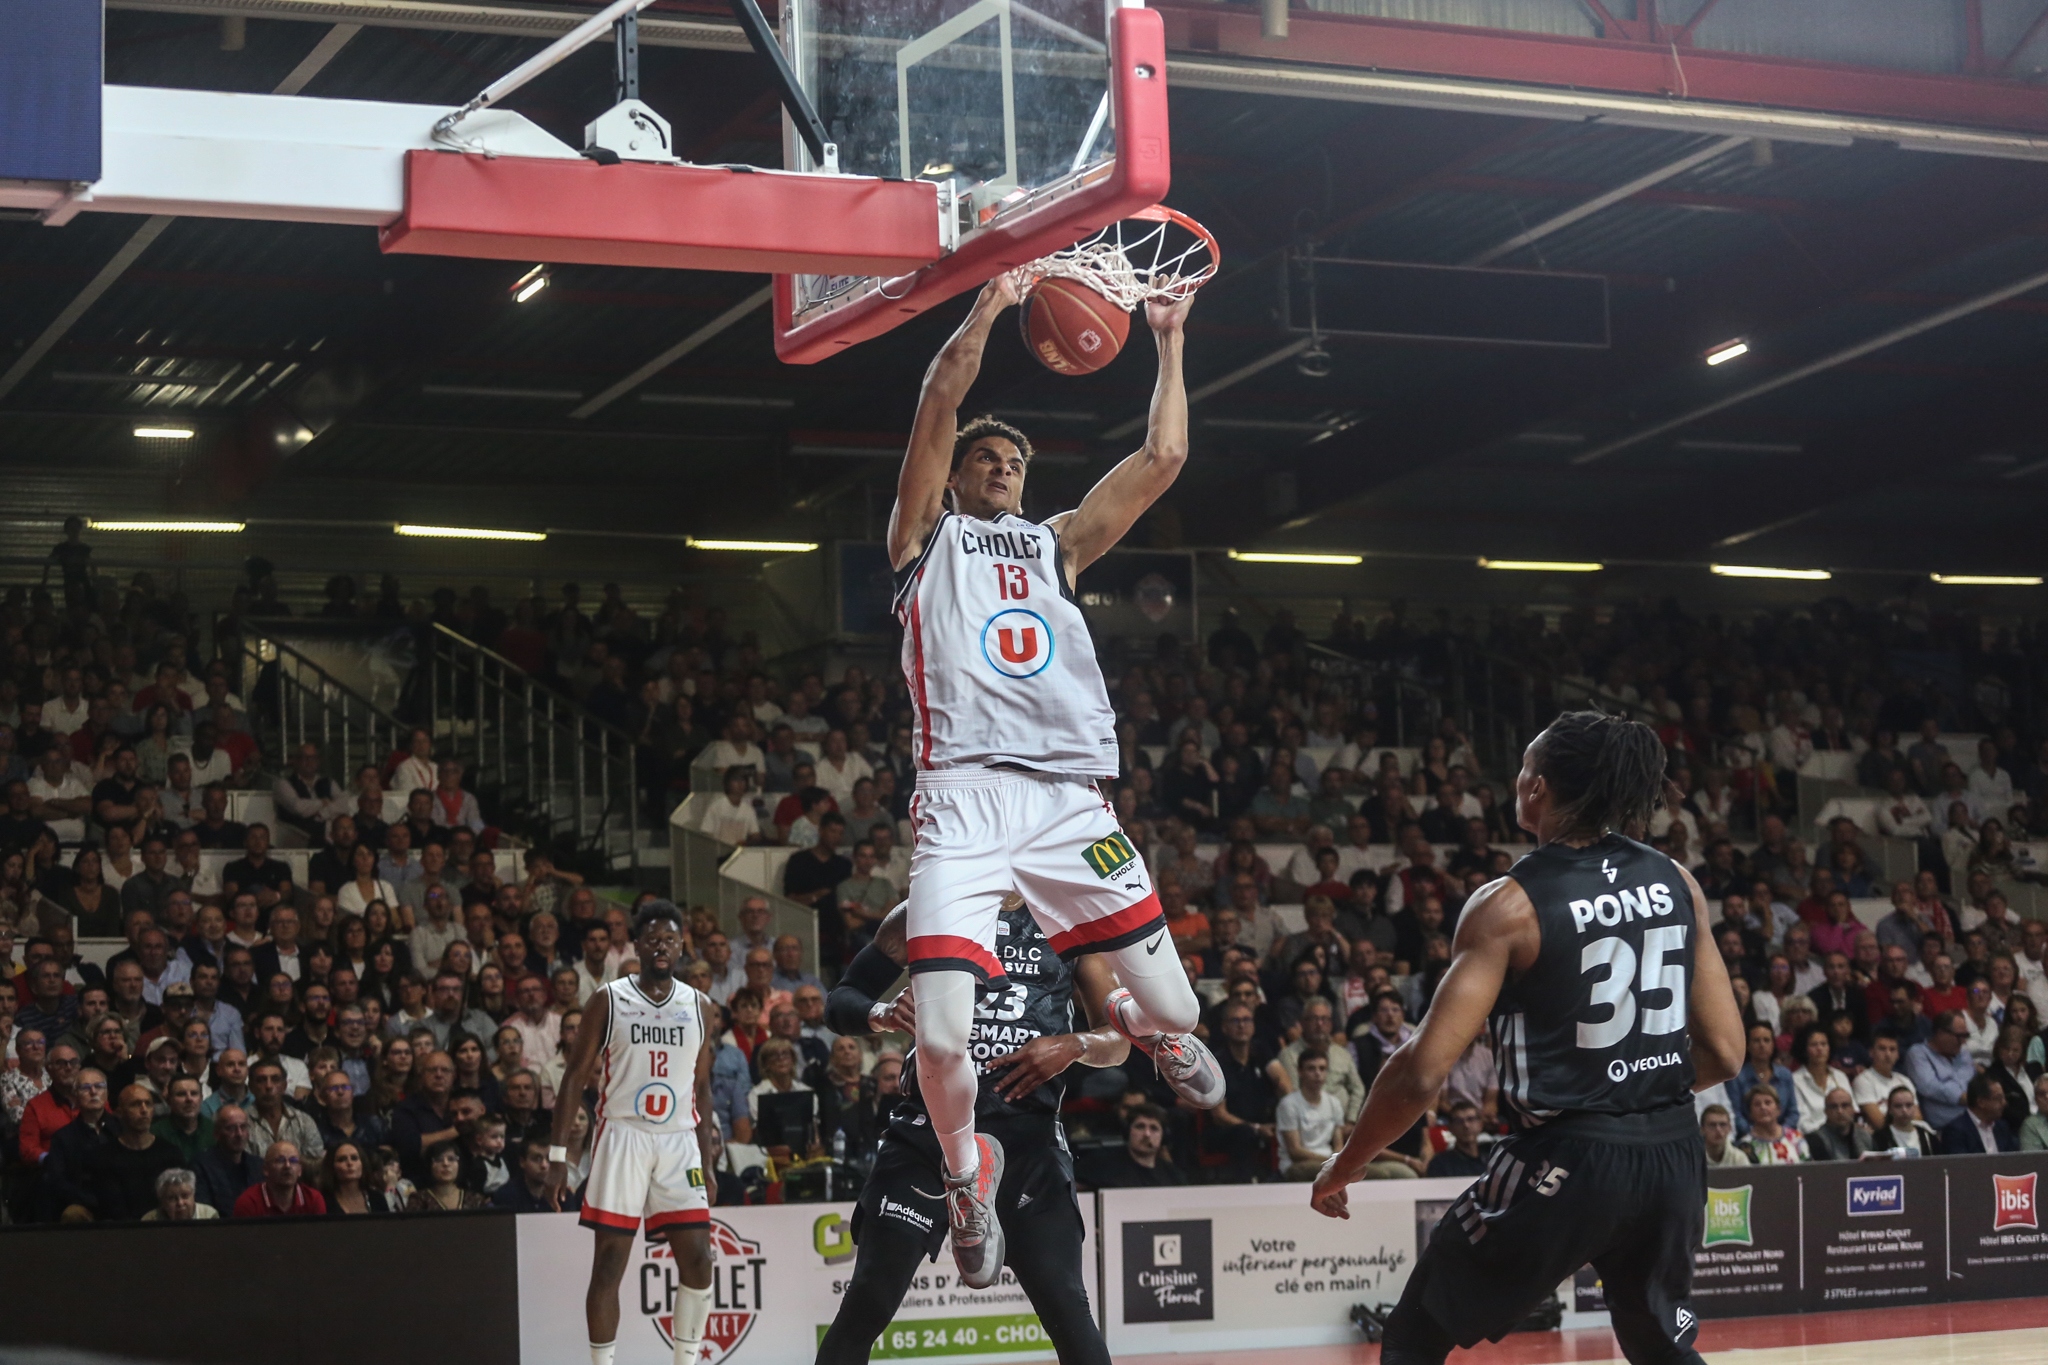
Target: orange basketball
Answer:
[[1071, 328]]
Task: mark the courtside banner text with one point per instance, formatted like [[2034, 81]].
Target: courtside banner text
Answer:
[[779, 1273], [1240, 1267]]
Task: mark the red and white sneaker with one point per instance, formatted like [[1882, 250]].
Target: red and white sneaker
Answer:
[[1184, 1063], [971, 1216]]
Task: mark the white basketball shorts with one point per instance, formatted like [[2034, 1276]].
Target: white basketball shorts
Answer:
[[636, 1175], [984, 832]]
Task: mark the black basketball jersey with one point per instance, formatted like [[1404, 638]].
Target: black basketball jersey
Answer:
[[1035, 1001], [1598, 1024]]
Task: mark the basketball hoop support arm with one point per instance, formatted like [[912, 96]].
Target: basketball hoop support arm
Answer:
[[802, 112], [570, 43]]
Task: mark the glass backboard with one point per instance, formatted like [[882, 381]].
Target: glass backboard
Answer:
[[1000, 104]]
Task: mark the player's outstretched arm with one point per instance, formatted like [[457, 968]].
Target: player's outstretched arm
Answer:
[[921, 486], [1115, 504], [576, 1072], [710, 1142], [1499, 927], [1041, 1059], [1713, 1022]]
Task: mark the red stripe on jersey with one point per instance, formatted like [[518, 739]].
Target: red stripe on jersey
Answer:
[[924, 706], [1127, 920], [926, 947], [686, 1217], [598, 1218]]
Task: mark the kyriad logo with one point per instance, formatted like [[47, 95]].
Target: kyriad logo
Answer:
[[738, 1273], [1874, 1195], [2013, 1203]]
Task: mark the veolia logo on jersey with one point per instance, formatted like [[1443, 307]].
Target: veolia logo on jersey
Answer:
[[1017, 643], [656, 1103]]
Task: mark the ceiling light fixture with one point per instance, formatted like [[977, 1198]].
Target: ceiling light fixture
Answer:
[[1727, 351], [1272, 557], [531, 283], [195, 526], [1754, 571], [164, 433], [1987, 580], [794, 547], [1543, 565], [468, 533]]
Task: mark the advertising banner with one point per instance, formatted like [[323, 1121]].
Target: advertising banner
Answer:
[[1875, 1233], [1998, 1247], [778, 1275], [1223, 1267], [1748, 1261]]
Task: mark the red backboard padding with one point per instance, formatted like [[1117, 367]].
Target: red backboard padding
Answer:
[[676, 217]]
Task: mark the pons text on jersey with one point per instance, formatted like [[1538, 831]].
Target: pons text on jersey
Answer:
[[1643, 902]]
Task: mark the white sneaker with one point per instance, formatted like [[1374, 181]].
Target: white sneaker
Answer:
[[971, 1217], [1185, 1064]]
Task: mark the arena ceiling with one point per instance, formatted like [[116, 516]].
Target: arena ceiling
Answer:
[[329, 381]]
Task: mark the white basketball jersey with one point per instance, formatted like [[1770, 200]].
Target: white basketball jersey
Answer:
[[650, 1058], [999, 660]]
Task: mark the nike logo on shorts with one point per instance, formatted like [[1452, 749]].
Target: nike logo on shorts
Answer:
[[1153, 946]]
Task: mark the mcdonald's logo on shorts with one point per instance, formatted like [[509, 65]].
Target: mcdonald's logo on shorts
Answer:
[[1110, 855], [696, 1177]]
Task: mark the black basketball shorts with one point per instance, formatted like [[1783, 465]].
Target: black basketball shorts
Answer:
[[1626, 1195]]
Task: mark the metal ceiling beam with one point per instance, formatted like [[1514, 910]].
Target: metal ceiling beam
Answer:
[[541, 22], [749, 304], [1699, 156], [1431, 66], [1827, 362], [1657, 71], [152, 227]]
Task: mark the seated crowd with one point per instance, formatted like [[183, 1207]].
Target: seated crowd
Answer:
[[386, 1033]]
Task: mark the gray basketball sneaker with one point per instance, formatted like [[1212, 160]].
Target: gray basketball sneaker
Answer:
[[971, 1215], [1183, 1062]]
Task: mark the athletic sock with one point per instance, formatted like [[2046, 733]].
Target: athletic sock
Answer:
[[1161, 999], [692, 1309], [602, 1355], [945, 1077]]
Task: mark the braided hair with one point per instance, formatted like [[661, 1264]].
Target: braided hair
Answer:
[[1604, 772]]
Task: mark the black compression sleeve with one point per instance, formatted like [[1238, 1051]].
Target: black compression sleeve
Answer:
[[866, 977]]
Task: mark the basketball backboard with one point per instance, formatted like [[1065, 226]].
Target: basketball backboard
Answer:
[[1037, 121]]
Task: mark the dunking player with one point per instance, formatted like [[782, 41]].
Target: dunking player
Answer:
[[1013, 730], [1585, 963], [656, 1132], [1023, 1041]]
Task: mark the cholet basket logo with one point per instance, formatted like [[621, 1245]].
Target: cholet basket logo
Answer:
[[738, 1273]]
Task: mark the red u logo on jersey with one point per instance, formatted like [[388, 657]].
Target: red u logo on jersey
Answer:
[[1022, 643], [655, 1103]]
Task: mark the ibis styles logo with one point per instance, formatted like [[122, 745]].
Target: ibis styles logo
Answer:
[[1109, 856], [1728, 1217]]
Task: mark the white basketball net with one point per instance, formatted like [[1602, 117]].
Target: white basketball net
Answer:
[[1159, 255]]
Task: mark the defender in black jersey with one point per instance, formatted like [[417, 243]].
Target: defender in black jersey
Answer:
[[1024, 1037], [1582, 964]]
